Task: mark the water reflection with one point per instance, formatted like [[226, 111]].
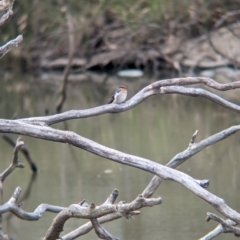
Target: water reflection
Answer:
[[157, 129]]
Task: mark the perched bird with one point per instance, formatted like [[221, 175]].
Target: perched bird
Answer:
[[119, 95]]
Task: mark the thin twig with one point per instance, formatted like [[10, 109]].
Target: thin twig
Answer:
[[24, 151]]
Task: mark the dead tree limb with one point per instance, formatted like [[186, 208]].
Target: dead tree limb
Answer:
[[9, 45], [166, 173], [92, 212], [225, 226], [23, 150], [158, 87], [15, 208]]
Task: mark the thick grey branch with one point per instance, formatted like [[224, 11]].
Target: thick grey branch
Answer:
[[9, 45]]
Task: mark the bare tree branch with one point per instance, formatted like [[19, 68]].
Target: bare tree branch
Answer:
[[9, 45], [158, 87], [100, 231], [24, 151], [15, 163], [89, 212], [225, 226], [48, 133], [13, 207]]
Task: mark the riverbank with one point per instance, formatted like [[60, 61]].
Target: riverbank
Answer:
[[153, 36]]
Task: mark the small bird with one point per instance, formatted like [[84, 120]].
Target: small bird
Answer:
[[119, 95]]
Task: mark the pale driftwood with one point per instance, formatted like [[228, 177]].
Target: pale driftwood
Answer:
[[89, 212], [9, 45]]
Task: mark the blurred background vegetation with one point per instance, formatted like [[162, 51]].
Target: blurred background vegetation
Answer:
[[43, 25]]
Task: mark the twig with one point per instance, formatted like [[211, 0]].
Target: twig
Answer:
[[24, 151], [15, 163], [13, 207], [9, 45], [225, 17], [193, 139]]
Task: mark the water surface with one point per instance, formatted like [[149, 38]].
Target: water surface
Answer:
[[157, 129]]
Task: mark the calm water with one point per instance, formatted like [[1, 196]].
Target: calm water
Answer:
[[157, 129]]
